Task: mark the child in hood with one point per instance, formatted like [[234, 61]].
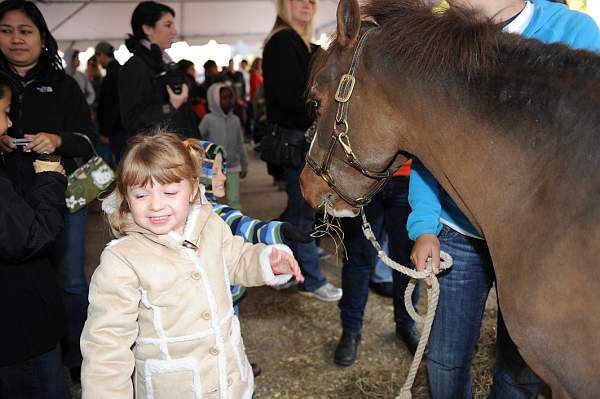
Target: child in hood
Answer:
[[223, 127], [213, 179]]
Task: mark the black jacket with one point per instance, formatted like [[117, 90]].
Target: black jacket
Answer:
[[143, 97], [286, 62], [32, 316], [47, 101], [109, 113]]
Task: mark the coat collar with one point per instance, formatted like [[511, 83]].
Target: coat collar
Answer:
[[197, 219]]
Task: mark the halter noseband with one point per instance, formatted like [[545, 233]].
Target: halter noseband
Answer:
[[339, 135]]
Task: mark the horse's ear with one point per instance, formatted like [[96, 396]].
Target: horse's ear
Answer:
[[348, 22]]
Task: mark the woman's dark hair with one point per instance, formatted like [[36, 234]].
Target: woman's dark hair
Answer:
[[147, 13], [49, 57]]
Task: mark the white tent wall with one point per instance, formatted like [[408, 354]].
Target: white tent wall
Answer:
[[84, 23]]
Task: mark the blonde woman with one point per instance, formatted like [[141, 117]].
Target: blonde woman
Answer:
[[286, 59]]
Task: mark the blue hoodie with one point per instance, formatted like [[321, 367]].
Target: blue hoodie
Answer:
[[549, 22]]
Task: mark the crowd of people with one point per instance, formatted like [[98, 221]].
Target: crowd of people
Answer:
[[159, 318]]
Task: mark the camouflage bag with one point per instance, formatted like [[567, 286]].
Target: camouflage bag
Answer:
[[87, 181]]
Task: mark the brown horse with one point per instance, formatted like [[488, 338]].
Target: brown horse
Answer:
[[509, 127]]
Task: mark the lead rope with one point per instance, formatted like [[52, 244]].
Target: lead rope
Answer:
[[433, 294]]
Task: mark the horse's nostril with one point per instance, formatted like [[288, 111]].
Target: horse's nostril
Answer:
[[326, 200], [329, 200]]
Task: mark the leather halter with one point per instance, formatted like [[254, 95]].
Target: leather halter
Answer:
[[339, 135]]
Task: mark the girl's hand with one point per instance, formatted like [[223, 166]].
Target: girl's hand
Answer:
[[43, 143], [426, 245], [6, 143], [177, 100], [284, 263]]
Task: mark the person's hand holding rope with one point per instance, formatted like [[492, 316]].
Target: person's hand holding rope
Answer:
[[426, 246]]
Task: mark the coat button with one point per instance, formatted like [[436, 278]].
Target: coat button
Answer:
[[196, 276], [206, 315], [213, 351]]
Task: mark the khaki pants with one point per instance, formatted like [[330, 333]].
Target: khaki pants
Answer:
[[233, 190]]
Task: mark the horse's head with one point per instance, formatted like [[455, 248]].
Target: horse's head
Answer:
[[347, 96]]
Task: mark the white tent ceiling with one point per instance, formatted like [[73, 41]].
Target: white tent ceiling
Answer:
[[84, 23]]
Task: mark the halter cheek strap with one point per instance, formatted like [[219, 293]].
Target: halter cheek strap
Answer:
[[339, 135]]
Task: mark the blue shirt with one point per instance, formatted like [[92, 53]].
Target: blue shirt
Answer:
[[431, 205]]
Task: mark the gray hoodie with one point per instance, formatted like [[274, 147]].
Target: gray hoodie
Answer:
[[224, 129]]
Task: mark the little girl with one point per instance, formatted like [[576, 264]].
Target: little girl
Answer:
[[160, 306]]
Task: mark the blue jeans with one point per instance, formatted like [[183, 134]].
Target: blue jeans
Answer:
[[382, 272], [387, 211], [69, 260], [41, 377], [301, 215], [463, 292]]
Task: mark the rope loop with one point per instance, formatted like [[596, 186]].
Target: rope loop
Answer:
[[433, 295]]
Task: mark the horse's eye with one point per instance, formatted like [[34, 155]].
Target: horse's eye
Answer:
[[313, 107]]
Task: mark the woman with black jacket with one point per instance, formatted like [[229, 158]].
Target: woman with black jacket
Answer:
[[32, 320], [48, 108], [152, 92], [286, 59]]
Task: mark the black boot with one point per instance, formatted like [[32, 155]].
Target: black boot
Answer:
[[410, 337], [385, 289], [347, 349]]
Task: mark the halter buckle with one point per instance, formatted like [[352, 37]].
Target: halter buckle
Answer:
[[345, 143], [345, 87]]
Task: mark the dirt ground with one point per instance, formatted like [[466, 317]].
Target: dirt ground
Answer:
[[293, 337]]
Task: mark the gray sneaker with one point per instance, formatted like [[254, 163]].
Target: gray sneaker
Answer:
[[290, 283], [326, 293]]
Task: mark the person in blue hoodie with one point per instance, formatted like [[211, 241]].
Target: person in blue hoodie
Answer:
[[436, 222]]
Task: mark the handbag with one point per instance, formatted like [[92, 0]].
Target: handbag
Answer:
[[285, 147], [87, 181]]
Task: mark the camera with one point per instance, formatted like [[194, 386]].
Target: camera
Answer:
[[22, 143], [174, 77]]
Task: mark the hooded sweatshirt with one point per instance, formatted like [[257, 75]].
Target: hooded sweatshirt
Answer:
[[540, 19], [253, 230], [224, 129]]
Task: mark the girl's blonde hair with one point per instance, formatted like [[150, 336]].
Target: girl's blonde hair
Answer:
[[284, 21], [161, 157]]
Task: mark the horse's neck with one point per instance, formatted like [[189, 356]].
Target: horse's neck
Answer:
[[480, 166], [493, 143]]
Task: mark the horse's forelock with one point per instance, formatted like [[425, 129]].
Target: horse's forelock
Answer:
[[317, 63], [426, 43]]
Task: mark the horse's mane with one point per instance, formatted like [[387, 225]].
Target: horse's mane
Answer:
[[456, 46], [453, 41], [497, 75]]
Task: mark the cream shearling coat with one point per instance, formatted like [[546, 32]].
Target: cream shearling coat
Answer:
[[161, 315]]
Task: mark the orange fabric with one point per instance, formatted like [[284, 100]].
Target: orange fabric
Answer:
[[256, 80], [404, 169]]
